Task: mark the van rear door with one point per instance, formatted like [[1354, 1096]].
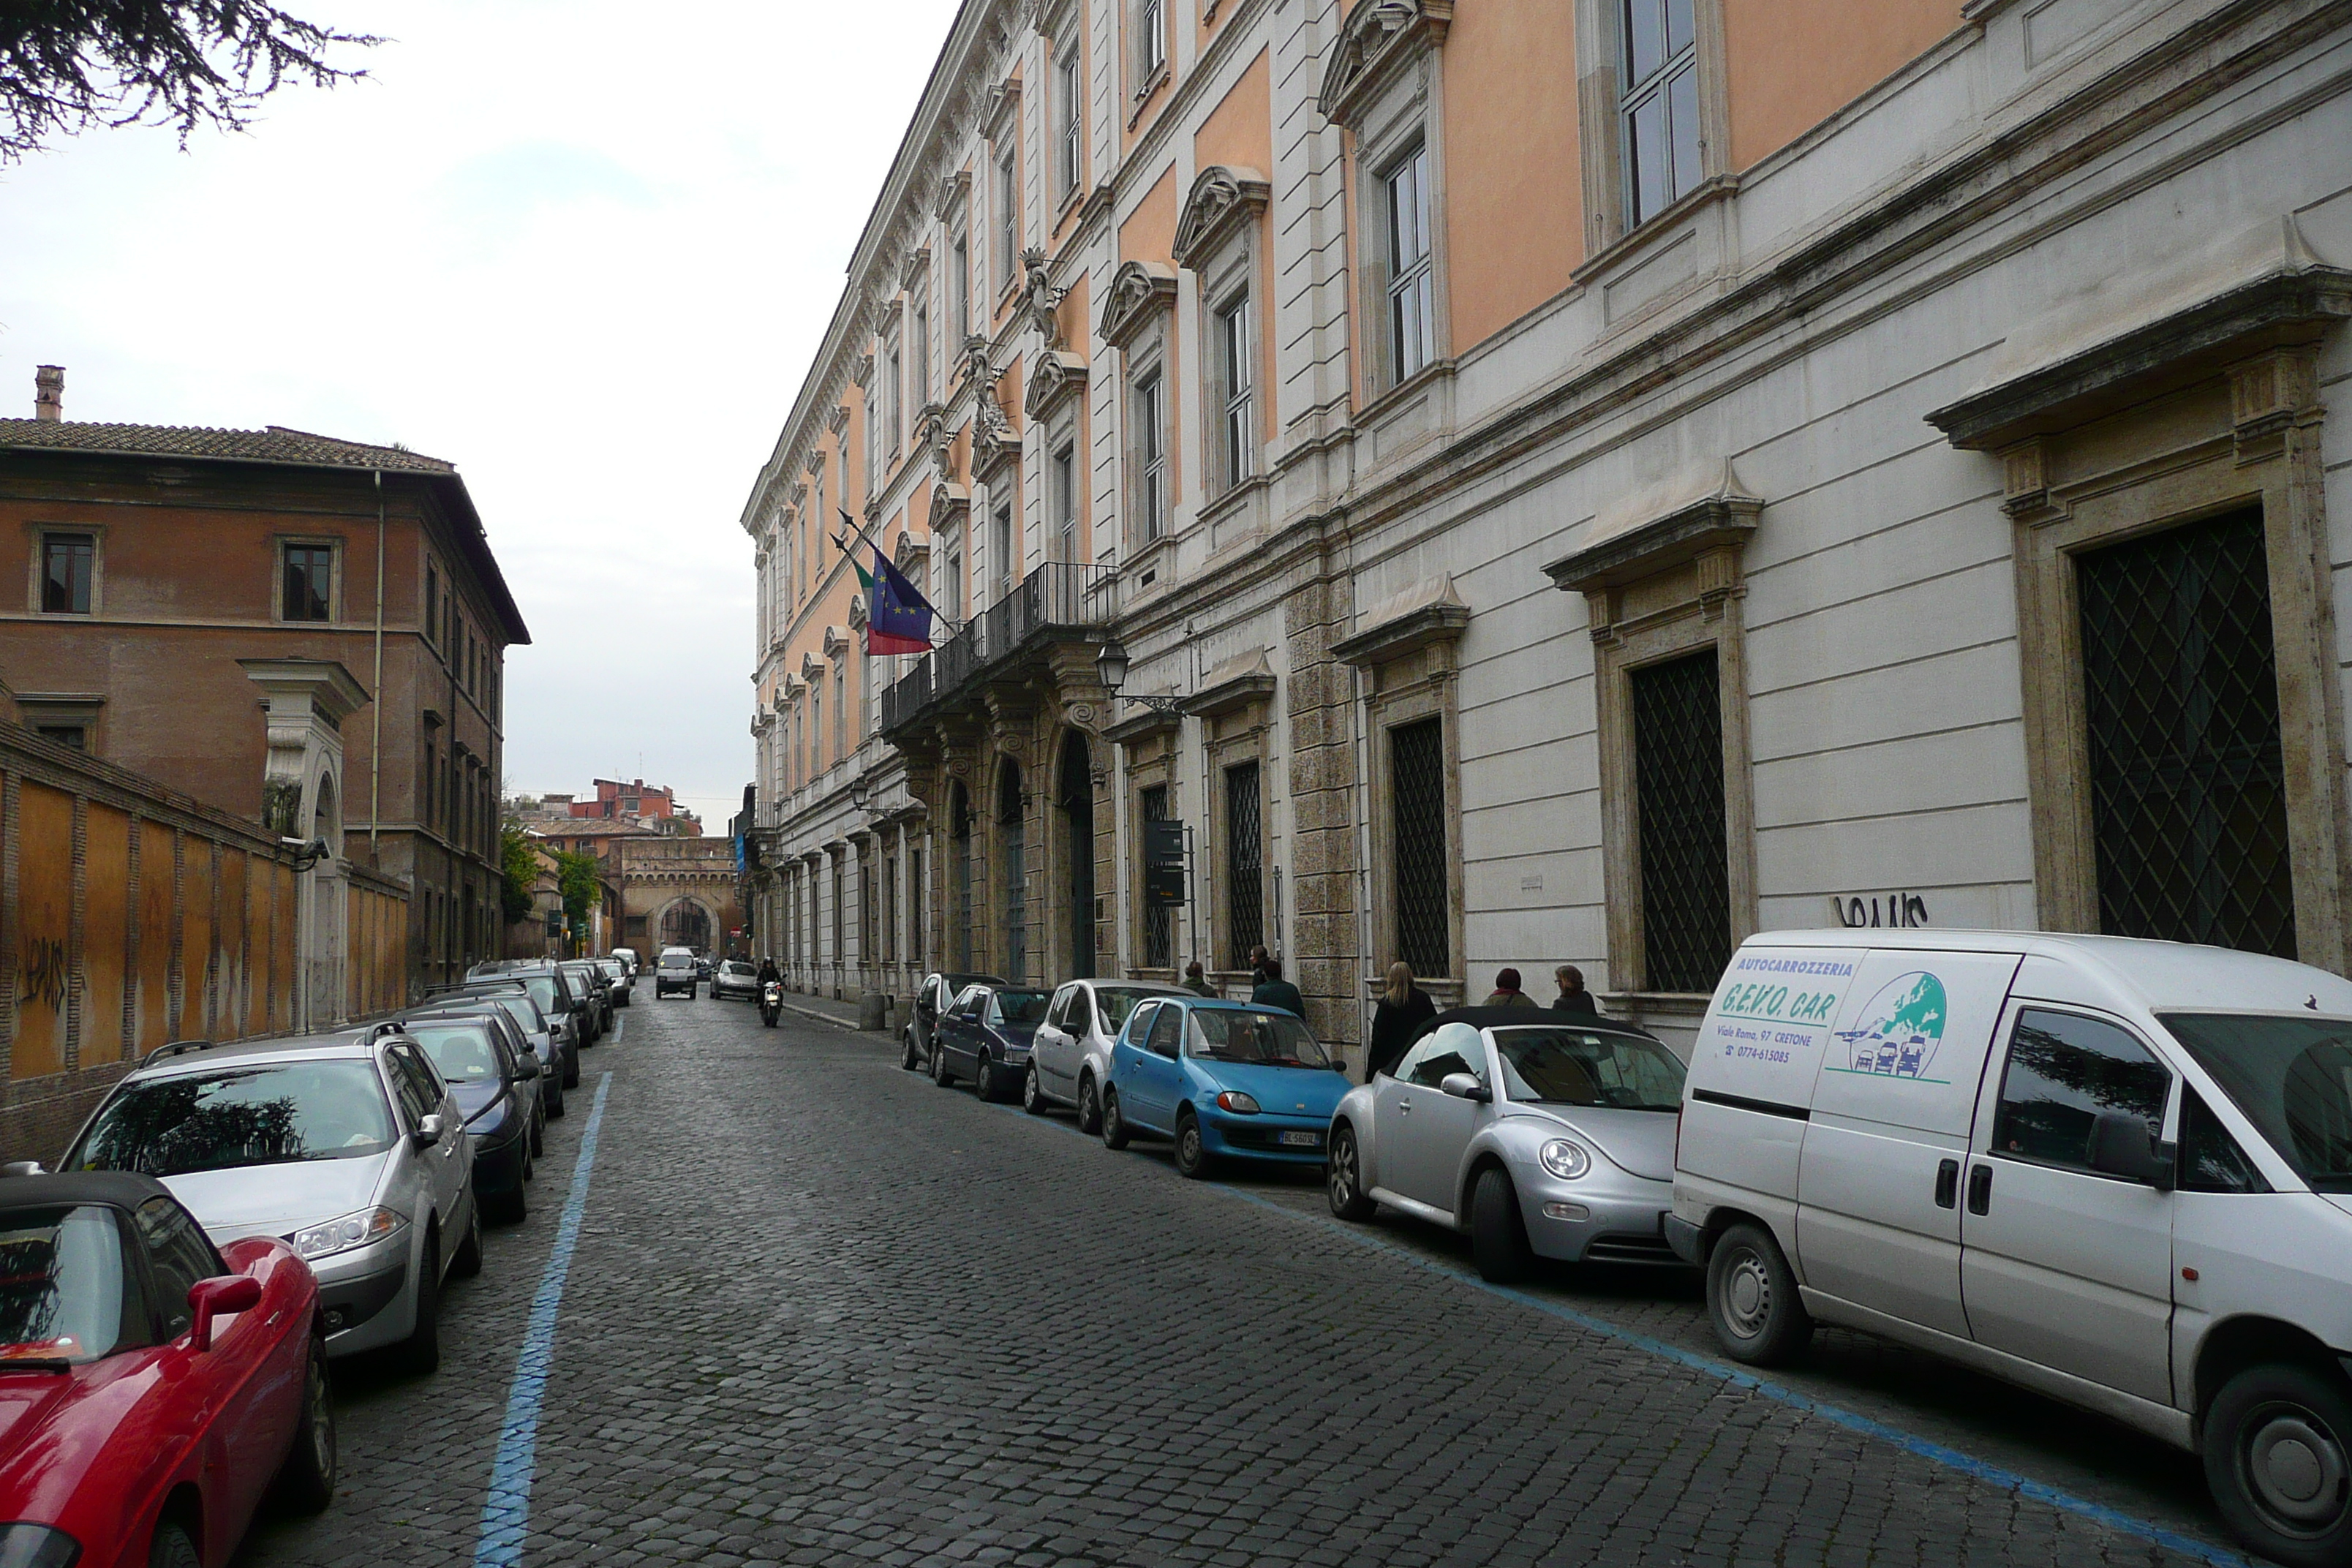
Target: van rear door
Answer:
[[1878, 1214]]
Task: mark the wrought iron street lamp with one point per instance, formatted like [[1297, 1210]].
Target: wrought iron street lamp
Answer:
[[1110, 668]]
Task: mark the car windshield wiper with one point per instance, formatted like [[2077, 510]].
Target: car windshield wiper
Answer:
[[34, 1363]]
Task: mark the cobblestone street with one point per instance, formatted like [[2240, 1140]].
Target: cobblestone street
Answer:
[[823, 1311]]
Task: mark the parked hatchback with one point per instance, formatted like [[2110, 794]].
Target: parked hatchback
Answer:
[[1070, 1060], [1221, 1079], [347, 1147], [984, 1036]]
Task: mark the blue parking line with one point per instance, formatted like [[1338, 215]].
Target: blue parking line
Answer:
[[1910, 1442], [506, 1511]]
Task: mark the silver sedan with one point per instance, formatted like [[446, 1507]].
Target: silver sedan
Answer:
[[1538, 1138]]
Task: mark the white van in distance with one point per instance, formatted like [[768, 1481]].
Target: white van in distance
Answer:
[[2116, 1171]]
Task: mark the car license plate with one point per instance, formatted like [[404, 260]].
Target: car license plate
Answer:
[[1302, 1140]]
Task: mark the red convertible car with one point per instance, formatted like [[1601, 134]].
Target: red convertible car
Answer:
[[151, 1389]]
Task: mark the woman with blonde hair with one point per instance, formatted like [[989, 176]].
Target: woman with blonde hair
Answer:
[[1404, 1009]]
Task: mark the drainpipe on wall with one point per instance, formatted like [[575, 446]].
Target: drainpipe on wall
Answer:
[[375, 692]]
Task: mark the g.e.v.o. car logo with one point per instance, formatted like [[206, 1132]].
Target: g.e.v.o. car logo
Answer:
[[1900, 1029]]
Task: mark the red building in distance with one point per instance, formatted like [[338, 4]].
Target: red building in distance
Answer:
[[636, 801]]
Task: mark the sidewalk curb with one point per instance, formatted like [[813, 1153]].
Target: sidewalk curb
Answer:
[[810, 1013]]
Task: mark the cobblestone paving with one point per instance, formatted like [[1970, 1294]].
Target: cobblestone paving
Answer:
[[825, 1313]]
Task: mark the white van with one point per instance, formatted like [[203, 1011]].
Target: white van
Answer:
[[2117, 1171]]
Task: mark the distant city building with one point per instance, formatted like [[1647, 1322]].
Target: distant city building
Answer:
[[653, 807]]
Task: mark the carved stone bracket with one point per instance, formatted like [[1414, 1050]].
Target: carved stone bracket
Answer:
[[1380, 38], [1223, 200]]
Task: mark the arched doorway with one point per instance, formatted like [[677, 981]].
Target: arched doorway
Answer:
[[1075, 795], [960, 876], [1009, 838], [685, 924]]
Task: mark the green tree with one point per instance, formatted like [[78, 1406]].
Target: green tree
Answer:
[[576, 875], [521, 872], [69, 64]]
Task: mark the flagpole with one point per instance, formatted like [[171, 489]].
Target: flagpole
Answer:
[[866, 537]]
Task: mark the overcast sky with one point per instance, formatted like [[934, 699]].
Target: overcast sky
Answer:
[[584, 250]]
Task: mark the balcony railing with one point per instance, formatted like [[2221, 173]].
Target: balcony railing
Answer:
[[1060, 595]]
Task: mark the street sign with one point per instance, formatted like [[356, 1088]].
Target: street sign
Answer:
[[1163, 865]]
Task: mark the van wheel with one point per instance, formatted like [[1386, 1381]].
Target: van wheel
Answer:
[[2278, 1455], [1498, 1236], [1751, 1296], [1089, 1106], [1343, 1178]]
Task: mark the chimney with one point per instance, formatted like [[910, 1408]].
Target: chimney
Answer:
[[49, 394]]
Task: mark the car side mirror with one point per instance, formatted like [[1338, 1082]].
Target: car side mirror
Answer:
[[208, 1298], [1465, 1086], [2121, 1145], [530, 1068], [23, 1168], [1338, 1066], [428, 1131]]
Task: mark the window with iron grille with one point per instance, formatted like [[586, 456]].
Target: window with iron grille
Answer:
[[888, 928], [1245, 894], [1417, 801], [1679, 797], [1002, 550], [915, 948], [67, 563], [310, 584], [1159, 924], [839, 951], [2180, 698]]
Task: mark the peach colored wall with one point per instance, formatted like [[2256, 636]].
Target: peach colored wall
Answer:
[[1782, 83], [1514, 206], [1150, 232], [1240, 130]]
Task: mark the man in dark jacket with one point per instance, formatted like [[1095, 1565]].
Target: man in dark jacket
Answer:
[[1506, 991], [1274, 991], [1197, 983], [1573, 997]]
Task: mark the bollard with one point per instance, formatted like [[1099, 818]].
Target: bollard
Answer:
[[873, 1008]]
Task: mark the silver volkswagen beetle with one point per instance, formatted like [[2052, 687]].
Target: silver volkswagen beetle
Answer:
[[1540, 1135]]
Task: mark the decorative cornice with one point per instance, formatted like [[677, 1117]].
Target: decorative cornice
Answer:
[[992, 451], [1700, 507], [862, 371], [1138, 291], [1234, 685], [812, 666], [1004, 102], [1428, 612], [1223, 200], [954, 191], [918, 263], [837, 422], [1379, 39], [1056, 376], [951, 504]]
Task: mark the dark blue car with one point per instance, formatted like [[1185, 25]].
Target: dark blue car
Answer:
[[1222, 1079], [984, 1036], [496, 1093]]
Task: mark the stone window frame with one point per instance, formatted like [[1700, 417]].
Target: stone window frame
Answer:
[[1600, 89], [1411, 666], [1152, 745], [1064, 456], [1137, 318], [331, 543], [35, 570], [2207, 410], [1148, 361], [1384, 85], [1664, 578]]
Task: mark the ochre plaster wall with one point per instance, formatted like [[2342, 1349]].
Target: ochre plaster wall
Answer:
[[1782, 80], [1514, 207]]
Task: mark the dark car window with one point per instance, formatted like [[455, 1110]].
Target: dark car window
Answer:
[[67, 1288], [1453, 1048], [1080, 1018], [178, 1255], [2063, 1070], [2292, 1078], [1272, 1038], [1057, 1016], [419, 1092], [1018, 1006], [239, 1116], [2211, 1160], [1167, 1030]]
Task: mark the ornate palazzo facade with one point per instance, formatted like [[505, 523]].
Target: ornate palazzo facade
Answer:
[[1579, 480]]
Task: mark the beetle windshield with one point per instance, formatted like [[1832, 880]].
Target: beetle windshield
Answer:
[[1269, 1040], [244, 1116], [1581, 1066], [2292, 1077], [62, 1295], [462, 1053]]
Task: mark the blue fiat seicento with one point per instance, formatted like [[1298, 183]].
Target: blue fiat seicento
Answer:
[[1222, 1079]]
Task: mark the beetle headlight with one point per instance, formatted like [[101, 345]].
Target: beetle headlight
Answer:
[[352, 1230], [1565, 1160]]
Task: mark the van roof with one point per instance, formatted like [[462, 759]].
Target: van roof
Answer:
[[2169, 976]]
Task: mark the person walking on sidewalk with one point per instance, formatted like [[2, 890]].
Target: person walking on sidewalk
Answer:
[[1274, 991], [1573, 997], [1506, 991], [1196, 982], [1403, 1008]]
